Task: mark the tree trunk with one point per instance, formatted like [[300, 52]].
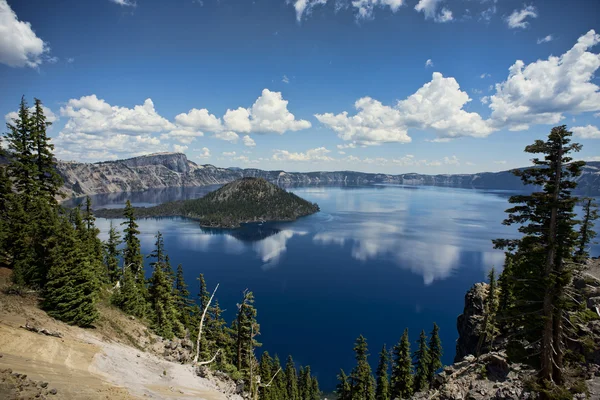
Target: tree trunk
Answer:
[[201, 323]]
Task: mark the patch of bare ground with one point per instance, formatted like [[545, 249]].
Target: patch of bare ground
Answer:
[[108, 362]]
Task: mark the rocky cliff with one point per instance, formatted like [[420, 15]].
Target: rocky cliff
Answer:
[[175, 170]]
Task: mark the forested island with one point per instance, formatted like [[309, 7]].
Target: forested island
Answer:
[[243, 201]]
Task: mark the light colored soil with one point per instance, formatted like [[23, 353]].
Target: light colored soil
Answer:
[[93, 363]]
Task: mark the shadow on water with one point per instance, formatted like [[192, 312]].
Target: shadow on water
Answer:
[[254, 232]]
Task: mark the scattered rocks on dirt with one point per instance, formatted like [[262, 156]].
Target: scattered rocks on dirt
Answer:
[[14, 385], [43, 331]]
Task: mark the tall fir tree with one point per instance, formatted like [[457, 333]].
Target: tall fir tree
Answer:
[[546, 219], [291, 380], [586, 232], [130, 297], [402, 369], [344, 387], [112, 254], [246, 329], [489, 329], [363, 383], [315, 391], [132, 253], [435, 353], [48, 179], [421, 364], [382, 391], [70, 293], [183, 303], [265, 373], [278, 383]]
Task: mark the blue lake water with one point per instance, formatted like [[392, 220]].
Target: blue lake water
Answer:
[[373, 261]]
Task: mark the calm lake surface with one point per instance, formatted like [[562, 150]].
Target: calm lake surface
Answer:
[[375, 260]]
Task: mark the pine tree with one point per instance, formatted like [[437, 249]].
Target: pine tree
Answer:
[[586, 234], [247, 328], [344, 388], [183, 303], [489, 330], [291, 380], [315, 391], [70, 293], [48, 180], [279, 389], [435, 353], [301, 383], [93, 244], [363, 383], [266, 371], [204, 297], [112, 253], [162, 305], [545, 252], [132, 255], [383, 383], [402, 369], [130, 297], [422, 364]]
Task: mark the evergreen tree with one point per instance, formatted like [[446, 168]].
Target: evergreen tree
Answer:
[[132, 253], [278, 384], [363, 383], [314, 390], [435, 353], [70, 293], [586, 234], [301, 383], [383, 383], [402, 369], [344, 388], [48, 180], [112, 253], [490, 308], [291, 380], [183, 303], [246, 329], [422, 362], [545, 252], [130, 297], [266, 371], [93, 244]]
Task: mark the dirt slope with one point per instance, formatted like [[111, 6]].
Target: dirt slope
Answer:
[[90, 364]]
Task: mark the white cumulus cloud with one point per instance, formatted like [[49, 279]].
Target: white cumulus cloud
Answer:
[[179, 148], [586, 132], [541, 92], [248, 141], [318, 154], [19, 45], [429, 9], [50, 116], [228, 136], [518, 18]]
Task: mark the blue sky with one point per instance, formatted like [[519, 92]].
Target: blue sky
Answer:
[[307, 84]]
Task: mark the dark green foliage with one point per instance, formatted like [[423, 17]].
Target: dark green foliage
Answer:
[[586, 232], [245, 200], [112, 253], [48, 180], [266, 371], [363, 383], [422, 362], [315, 391], [130, 297], [246, 329], [183, 303], [291, 380], [402, 369], [382, 391], [435, 353], [545, 253], [132, 256], [490, 308], [344, 388], [70, 293]]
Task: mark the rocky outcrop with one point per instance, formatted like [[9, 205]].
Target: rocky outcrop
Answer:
[[164, 170], [469, 323]]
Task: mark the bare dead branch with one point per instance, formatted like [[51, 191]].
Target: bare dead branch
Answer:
[[202, 323]]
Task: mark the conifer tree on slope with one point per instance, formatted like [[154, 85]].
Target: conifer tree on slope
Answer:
[[183, 303], [435, 353], [265, 371], [301, 383], [247, 328], [93, 244], [363, 383], [421, 364], [279, 381], [586, 232], [132, 253], [402, 369], [545, 252], [70, 293], [112, 253], [490, 306], [382, 391], [130, 298], [291, 380], [343, 388], [49, 181]]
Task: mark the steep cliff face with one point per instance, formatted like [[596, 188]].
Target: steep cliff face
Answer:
[[469, 323], [175, 170]]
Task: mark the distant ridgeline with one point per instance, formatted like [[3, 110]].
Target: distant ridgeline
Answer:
[[164, 170], [242, 201]]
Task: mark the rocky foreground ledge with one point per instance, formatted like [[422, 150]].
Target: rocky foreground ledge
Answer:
[[492, 375]]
